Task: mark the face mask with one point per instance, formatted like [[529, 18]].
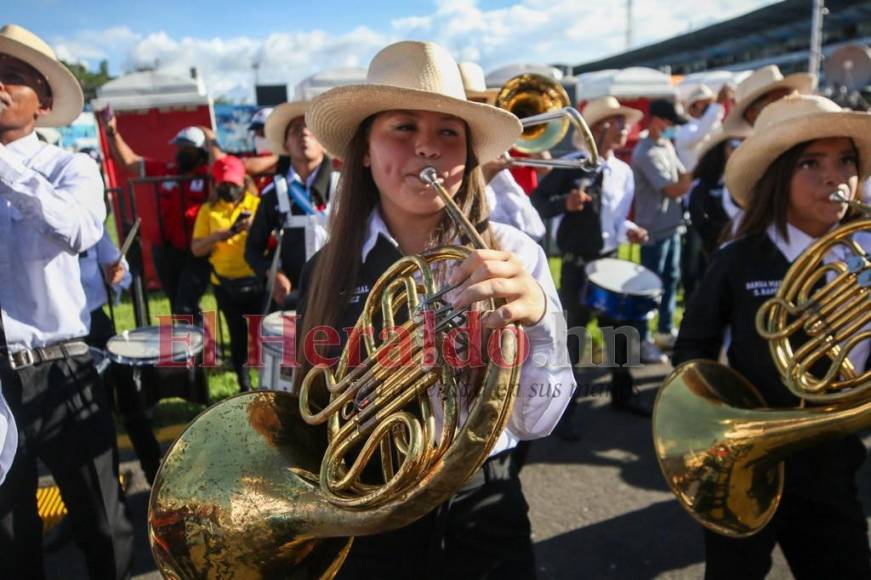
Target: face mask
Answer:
[[261, 145], [668, 133], [186, 161], [229, 192]]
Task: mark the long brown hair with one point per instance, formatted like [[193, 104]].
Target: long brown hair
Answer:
[[338, 263], [768, 201]]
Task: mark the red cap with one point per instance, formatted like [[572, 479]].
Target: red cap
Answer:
[[229, 169]]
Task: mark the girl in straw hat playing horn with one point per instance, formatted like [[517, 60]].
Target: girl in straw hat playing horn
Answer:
[[411, 113], [802, 150]]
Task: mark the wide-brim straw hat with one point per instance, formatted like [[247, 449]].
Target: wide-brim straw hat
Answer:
[[475, 83], [762, 81], [408, 75], [66, 93], [275, 128], [719, 135], [605, 107], [786, 123], [700, 93]]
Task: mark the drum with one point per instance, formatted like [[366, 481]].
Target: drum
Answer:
[[156, 373], [273, 376], [622, 290]]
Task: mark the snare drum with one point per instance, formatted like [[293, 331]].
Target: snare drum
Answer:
[[273, 376], [137, 355], [622, 290]]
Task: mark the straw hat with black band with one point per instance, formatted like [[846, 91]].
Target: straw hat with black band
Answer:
[[275, 128], [760, 82], [67, 99], [409, 75], [783, 125]]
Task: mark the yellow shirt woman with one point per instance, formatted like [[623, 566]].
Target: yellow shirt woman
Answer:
[[227, 255]]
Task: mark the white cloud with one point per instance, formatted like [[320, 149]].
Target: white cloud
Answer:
[[538, 31], [92, 46]]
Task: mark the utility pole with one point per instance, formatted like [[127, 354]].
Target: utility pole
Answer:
[[256, 66], [815, 51], [628, 24]]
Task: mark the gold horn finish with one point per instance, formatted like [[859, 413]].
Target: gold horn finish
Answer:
[[719, 449], [271, 485], [721, 452], [829, 303], [545, 111], [528, 95]]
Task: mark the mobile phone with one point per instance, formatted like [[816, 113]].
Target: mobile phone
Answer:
[[237, 225], [107, 114]]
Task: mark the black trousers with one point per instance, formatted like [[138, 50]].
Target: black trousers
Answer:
[[63, 419], [183, 277], [123, 395], [483, 532], [573, 288], [818, 541], [820, 524], [235, 309]]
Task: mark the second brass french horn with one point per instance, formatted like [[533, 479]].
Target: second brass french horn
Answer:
[[719, 447]]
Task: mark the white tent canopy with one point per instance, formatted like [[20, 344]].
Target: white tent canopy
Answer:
[[628, 83], [312, 86], [150, 89], [500, 76]]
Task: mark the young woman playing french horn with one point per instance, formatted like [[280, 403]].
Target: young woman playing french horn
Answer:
[[412, 113], [803, 149]]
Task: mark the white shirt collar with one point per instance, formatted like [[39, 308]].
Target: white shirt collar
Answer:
[[293, 175], [25, 147], [376, 227], [798, 241]]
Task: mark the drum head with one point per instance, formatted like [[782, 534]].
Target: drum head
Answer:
[[624, 277], [142, 345]]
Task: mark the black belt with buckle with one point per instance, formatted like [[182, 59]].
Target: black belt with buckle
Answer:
[[34, 356]]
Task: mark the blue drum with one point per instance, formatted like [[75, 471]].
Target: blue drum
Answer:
[[622, 290]]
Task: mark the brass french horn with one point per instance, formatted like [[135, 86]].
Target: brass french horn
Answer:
[[270, 485], [719, 448]]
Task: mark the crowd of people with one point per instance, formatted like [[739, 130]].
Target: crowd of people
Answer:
[[722, 192]]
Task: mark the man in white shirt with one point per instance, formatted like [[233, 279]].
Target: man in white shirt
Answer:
[[51, 209], [705, 116], [508, 203], [594, 212]]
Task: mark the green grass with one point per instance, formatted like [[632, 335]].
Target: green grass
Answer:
[[222, 382]]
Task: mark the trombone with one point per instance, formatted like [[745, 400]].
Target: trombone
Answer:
[[544, 110]]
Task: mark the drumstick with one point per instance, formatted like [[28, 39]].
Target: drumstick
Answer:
[[128, 241]]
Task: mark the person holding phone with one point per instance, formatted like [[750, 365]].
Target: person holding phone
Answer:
[[220, 233]]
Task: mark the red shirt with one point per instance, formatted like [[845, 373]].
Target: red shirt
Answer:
[[526, 177], [178, 202]]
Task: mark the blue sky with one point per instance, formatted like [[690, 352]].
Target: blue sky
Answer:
[[294, 39]]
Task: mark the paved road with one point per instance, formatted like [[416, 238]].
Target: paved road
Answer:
[[599, 507]]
